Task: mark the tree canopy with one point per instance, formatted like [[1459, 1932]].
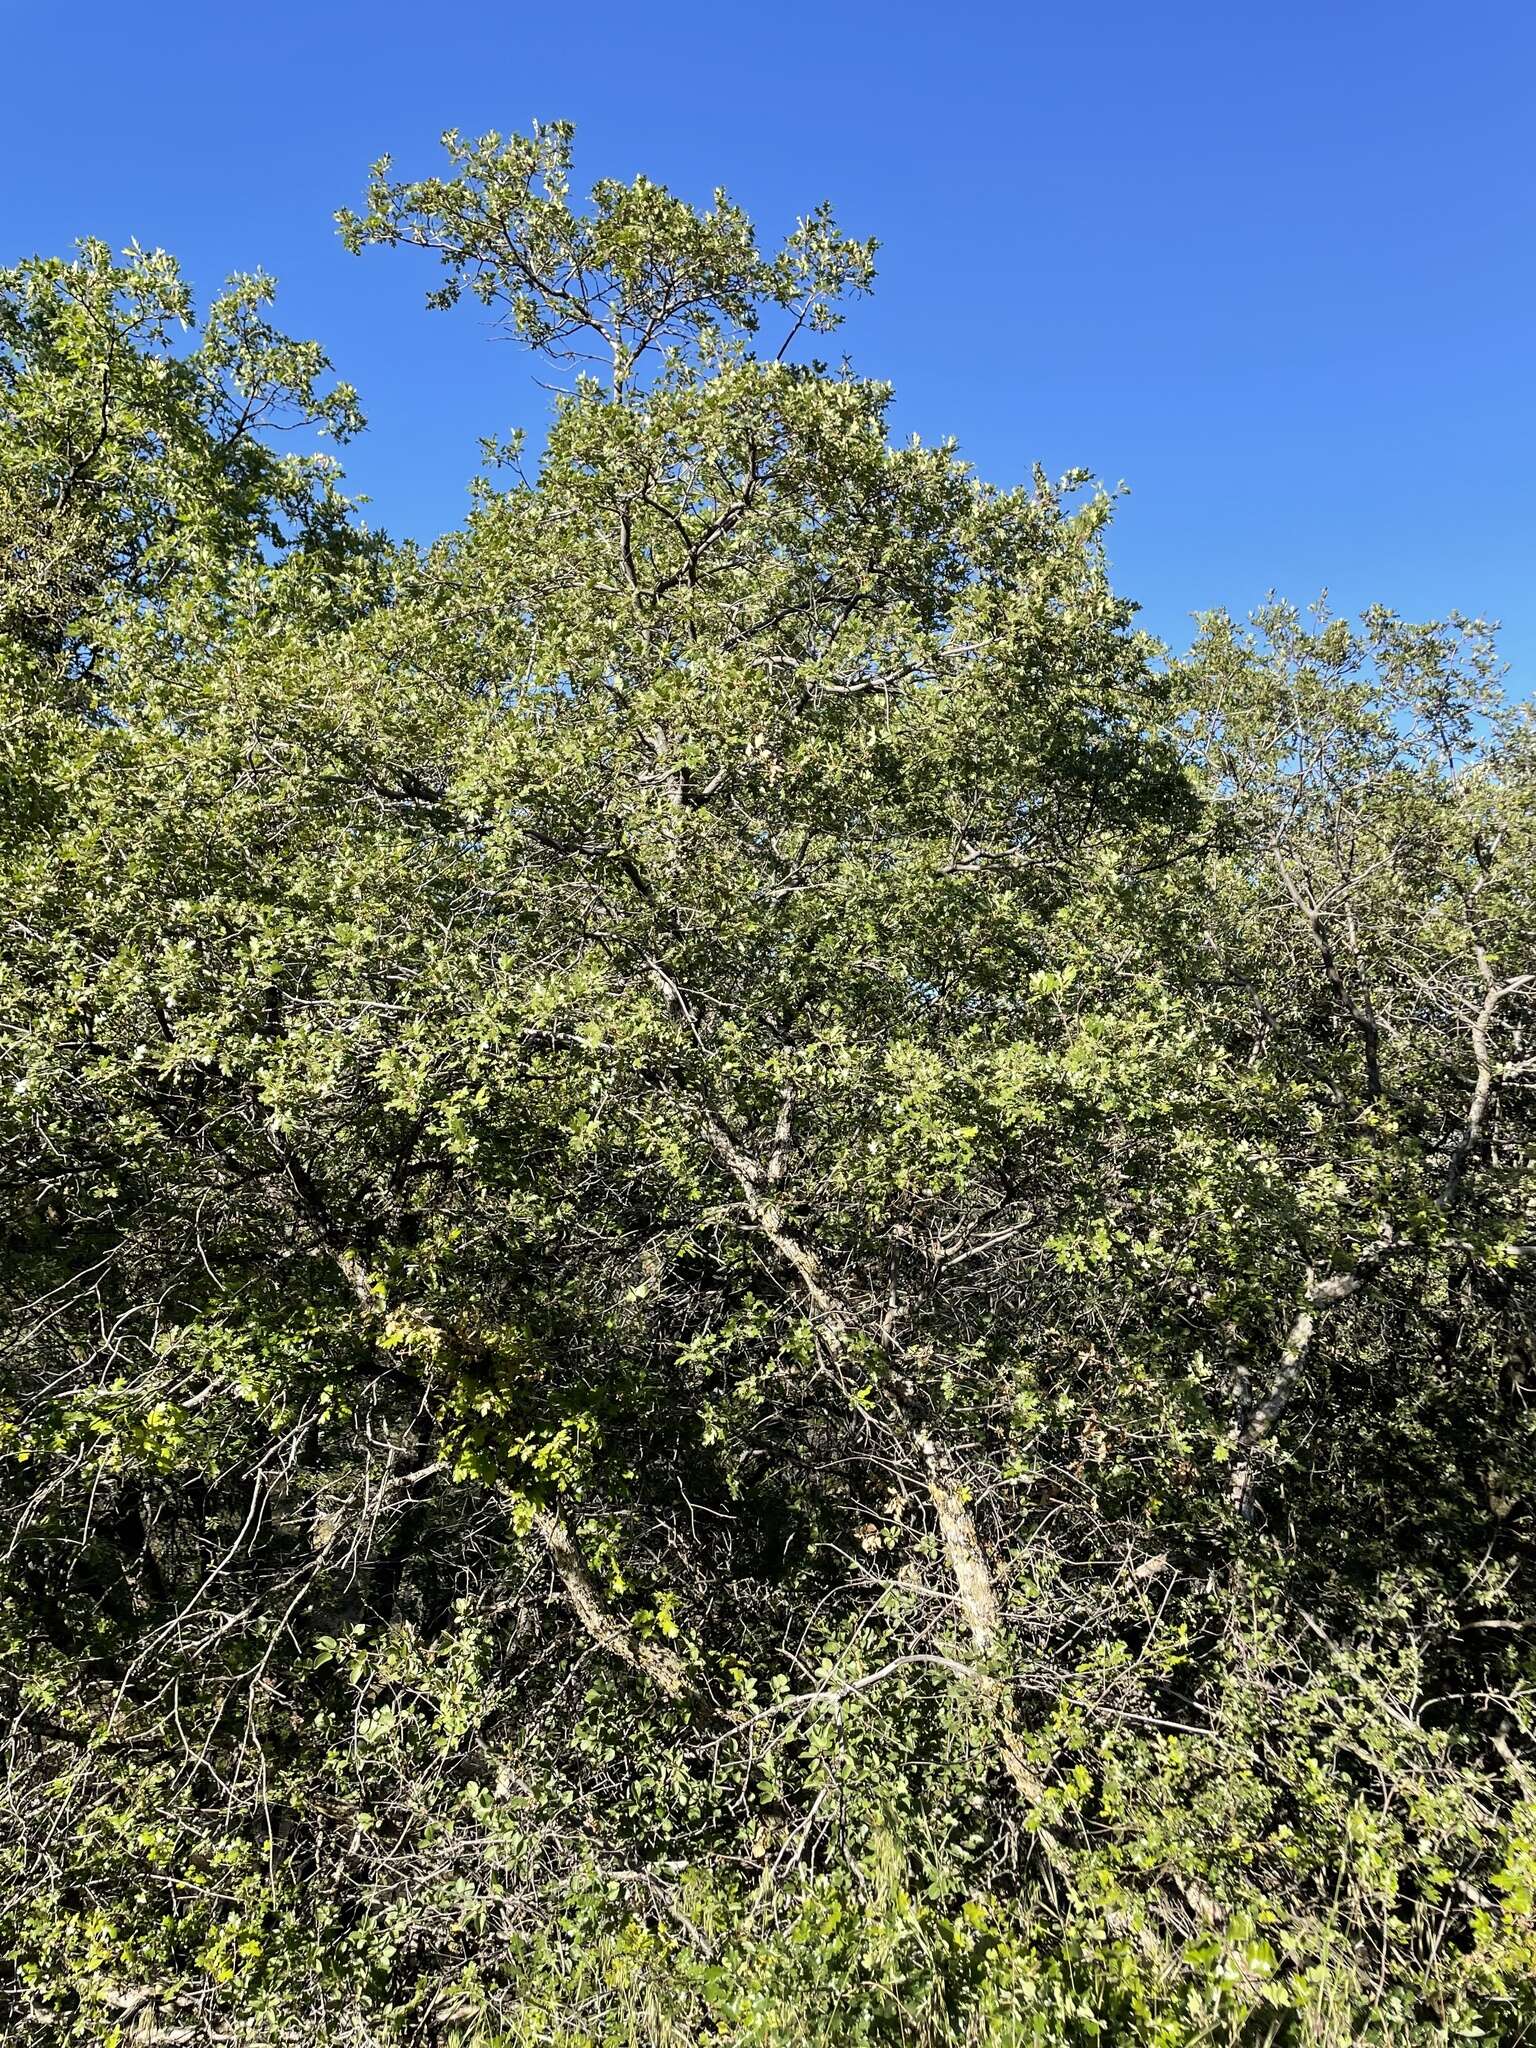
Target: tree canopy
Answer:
[[757, 1285]]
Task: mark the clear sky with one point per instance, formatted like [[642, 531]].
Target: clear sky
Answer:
[[1271, 264]]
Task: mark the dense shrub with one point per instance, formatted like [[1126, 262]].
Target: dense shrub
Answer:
[[756, 1286]]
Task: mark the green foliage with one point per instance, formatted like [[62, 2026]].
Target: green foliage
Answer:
[[755, 1288], [135, 480]]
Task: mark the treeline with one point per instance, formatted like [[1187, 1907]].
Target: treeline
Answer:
[[757, 1286]]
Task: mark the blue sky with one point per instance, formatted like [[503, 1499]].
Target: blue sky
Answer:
[[1272, 265]]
